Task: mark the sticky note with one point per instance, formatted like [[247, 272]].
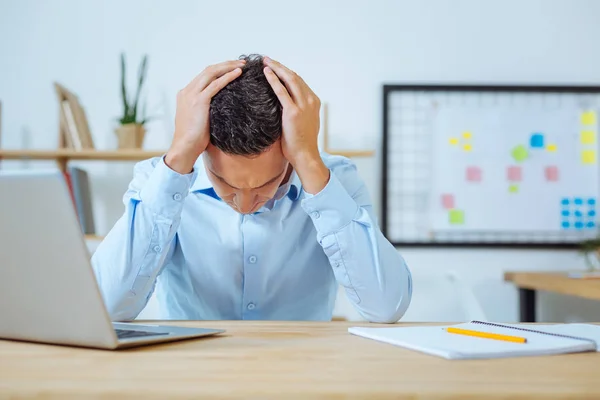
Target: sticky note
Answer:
[[448, 201], [565, 202], [590, 224], [565, 213], [551, 173], [588, 157], [456, 217], [519, 153], [578, 214], [588, 118], [513, 189], [579, 225], [591, 201], [473, 174], [514, 174], [588, 137], [453, 141], [566, 225], [467, 135], [537, 140], [578, 201], [551, 147], [467, 147], [591, 213]]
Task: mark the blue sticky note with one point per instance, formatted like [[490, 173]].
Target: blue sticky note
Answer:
[[537, 140], [565, 213], [591, 201], [579, 225], [564, 202], [566, 225], [590, 224], [591, 213], [578, 201], [578, 214]]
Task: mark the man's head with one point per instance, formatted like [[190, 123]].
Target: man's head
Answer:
[[244, 160]]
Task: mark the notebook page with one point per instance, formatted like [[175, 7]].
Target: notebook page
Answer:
[[587, 331], [437, 341]]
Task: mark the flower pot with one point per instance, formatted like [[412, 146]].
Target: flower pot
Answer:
[[130, 136]]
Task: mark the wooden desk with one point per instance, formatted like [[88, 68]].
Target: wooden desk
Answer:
[[557, 282], [283, 360]]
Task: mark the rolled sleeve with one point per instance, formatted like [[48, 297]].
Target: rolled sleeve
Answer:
[[165, 190], [332, 208]]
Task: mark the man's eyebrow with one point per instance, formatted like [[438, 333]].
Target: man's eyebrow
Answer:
[[258, 187]]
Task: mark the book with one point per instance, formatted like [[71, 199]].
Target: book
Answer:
[[82, 198], [437, 341]]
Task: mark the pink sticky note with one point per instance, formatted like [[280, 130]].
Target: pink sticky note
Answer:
[[473, 174], [551, 173], [448, 201], [514, 174]]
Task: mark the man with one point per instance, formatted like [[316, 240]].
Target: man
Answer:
[[262, 226]]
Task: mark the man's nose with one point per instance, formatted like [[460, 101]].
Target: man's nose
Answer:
[[245, 202]]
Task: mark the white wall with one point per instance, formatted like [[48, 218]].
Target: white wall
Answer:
[[344, 49]]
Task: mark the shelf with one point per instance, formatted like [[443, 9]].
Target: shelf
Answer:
[[118, 155], [94, 237], [67, 154]]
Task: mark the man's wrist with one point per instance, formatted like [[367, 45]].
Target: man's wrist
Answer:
[[312, 171], [180, 161]]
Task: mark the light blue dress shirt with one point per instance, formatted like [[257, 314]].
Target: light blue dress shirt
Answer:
[[205, 261]]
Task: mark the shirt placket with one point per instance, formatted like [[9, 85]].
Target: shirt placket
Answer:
[[251, 301]]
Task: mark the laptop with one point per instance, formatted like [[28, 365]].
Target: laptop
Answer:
[[48, 290]]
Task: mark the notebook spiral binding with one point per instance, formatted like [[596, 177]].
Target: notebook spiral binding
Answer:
[[535, 331]]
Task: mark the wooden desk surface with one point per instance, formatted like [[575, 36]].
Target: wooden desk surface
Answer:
[[556, 282], [283, 360]]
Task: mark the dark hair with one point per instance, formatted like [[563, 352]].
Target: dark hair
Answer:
[[245, 116]]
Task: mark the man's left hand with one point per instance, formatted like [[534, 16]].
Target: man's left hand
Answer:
[[300, 124]]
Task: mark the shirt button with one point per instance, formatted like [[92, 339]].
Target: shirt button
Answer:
[[252, 259], [177, 196], [157, 249], [251, 306], [316, 215]]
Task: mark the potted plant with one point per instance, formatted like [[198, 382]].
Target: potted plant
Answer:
[[131, 131], [591, 251]]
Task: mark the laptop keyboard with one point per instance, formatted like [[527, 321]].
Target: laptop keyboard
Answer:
[[128, 333]]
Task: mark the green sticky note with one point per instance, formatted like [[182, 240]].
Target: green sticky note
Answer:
[[513, 188], [457, 217], [519, 153]]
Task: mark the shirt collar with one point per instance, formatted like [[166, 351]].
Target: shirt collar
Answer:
[[202, 183]]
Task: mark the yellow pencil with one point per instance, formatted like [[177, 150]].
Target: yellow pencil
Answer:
[[495, 336]]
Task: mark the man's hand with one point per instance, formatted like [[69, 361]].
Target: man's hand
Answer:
[[300, 125], [192, 127]]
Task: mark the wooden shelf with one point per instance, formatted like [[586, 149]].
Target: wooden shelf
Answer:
[[67, 154], [94, 237], [118, 155]]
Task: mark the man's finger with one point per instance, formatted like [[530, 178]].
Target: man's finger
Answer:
[[280, 90], [218, 84], [293, 82], [200, 82]]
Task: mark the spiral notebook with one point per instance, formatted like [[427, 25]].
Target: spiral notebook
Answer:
[[540, 339]]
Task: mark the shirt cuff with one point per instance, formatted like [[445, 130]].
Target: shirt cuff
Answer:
[[165, 190], [332, 208]]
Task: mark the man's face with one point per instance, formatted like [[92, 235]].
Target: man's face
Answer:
[[246, 183]]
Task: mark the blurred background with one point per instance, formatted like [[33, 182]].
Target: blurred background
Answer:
[[345, 50]]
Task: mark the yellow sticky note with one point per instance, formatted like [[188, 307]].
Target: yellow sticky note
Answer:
[[588, 157], [551, 147], [453, 141], [588, 137], [466, 135], [588, 118], [467, 147]]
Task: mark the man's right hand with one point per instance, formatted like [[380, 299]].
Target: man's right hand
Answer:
[[192, 125]]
